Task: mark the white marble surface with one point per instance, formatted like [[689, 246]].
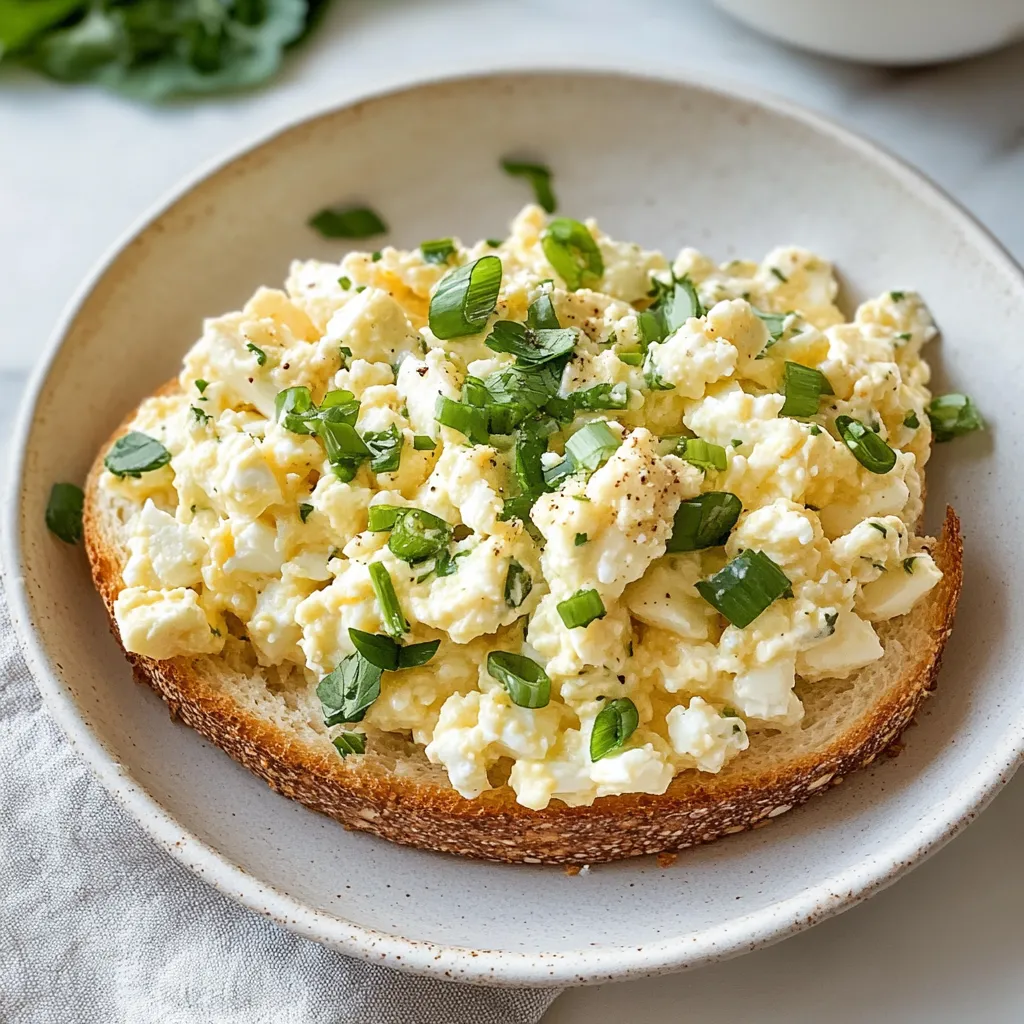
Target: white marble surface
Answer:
[[77, 167]]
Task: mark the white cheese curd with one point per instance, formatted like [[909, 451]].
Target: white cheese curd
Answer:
[[487, 538]]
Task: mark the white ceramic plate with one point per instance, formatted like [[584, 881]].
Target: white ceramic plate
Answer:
[[662, 162]]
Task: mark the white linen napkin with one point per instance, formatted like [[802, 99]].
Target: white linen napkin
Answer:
[[100, 926]]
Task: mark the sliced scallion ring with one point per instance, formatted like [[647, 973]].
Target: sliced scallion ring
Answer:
[[572, 251], [518, 584], [418, 535], [702, 454], [440, 250], [803, 387], [593, 444], [465, 298], [704, 521], [581, 609], [868, 448], [952, 416], [745, 587], [615, 723], [526, 682]]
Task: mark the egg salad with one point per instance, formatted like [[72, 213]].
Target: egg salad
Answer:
[[571, 516]]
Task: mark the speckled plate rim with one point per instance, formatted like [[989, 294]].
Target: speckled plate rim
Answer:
[[777, 921]]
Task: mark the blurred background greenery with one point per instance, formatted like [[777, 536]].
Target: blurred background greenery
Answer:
[[156, 49]]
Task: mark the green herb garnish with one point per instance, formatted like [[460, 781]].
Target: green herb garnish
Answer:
[[868, 448], [136, 453], [952, 416], [572, 251], [539, 178], [348, 222], [581, 609], [64, 512], [465, 298], [704, 521]]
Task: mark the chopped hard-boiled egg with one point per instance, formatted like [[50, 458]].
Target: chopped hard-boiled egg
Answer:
[[582, 488]]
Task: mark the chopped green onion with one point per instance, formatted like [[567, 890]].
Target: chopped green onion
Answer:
[[465, 298], [580, 539], [880, 527], [527, 465], [572, 251], [745, 587], [385, 449], [376, 256], [304, 510], [349, 690], [382, 517], [775, 322], [526, 683], [581, 609], [136, 453], [345, 282], [704, 521], [292, 407], [952, 416], [418, 535], [201, 385], [911, 420], [897, 296], [348, 222], [474, 392], [631, 358], [908, 565], [602, 396], [652, 376], [467, 419], [539, 178], [64, 512], [518, 584], [440, 250], [423, 443], [615, 723], [553, 475], [681, 305], [201, 418], [341, 399], [345, 448], [779, 274], [530, 346], [346, 743], [868, 448], [651, 327], [803, 387], [261, 356], [592, 445], [390, 610], [702, 454], [494, 243], [541, 315]]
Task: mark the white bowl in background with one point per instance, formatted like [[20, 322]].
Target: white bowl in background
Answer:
[[662, 161], [891, 32]]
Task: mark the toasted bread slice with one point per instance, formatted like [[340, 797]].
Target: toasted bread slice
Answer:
[[270, 721]]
